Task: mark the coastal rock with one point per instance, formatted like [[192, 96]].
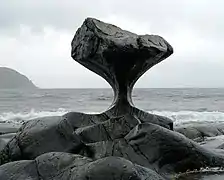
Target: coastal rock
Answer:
[[111, 129], [66, 166], [160, 149], [170, 151], [198, 132], [120, 57], [19, 170], [69, 133], [49, 134], [40, 136]]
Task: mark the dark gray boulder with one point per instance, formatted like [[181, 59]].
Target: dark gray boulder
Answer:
[[50, 134], [19, 170], [160, 149], [169, 151], [198, 132], [111, 129], [69, 133], [78, 120], [112, 168], [42, 135], [58, 166]]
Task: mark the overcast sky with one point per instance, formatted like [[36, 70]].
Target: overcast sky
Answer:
[[35, 38]]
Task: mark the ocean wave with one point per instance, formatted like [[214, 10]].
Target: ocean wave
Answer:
[[50, 96], [192, 117], [178, 117], [103, 98], [21, 117]]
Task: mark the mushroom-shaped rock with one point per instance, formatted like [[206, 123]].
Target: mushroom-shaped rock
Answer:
[[119, 56]]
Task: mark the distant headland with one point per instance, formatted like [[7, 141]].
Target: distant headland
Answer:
[[11, 79]]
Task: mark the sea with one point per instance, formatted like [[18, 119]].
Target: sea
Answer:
[[183, 106]]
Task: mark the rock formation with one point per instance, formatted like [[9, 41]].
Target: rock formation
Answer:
[[59, 166], [120, 57], [123, 143]]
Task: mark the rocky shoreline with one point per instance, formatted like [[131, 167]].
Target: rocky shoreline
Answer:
[[212, 139], [122, 143]]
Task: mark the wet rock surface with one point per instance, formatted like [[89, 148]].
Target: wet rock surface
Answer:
[[206, 175], [57, 166], [199, 132], [122, 143], [148, 145]]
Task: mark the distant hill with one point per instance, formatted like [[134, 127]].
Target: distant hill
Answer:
[[11, 79]]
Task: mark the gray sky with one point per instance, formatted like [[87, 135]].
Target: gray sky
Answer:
[[35, 37]]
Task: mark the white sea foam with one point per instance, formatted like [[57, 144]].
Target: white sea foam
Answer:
[[179, 118], [190, 117], [19, 118]]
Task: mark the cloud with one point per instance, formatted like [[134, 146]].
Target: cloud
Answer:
[[55, 13], [204, 16], [35, 39]]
